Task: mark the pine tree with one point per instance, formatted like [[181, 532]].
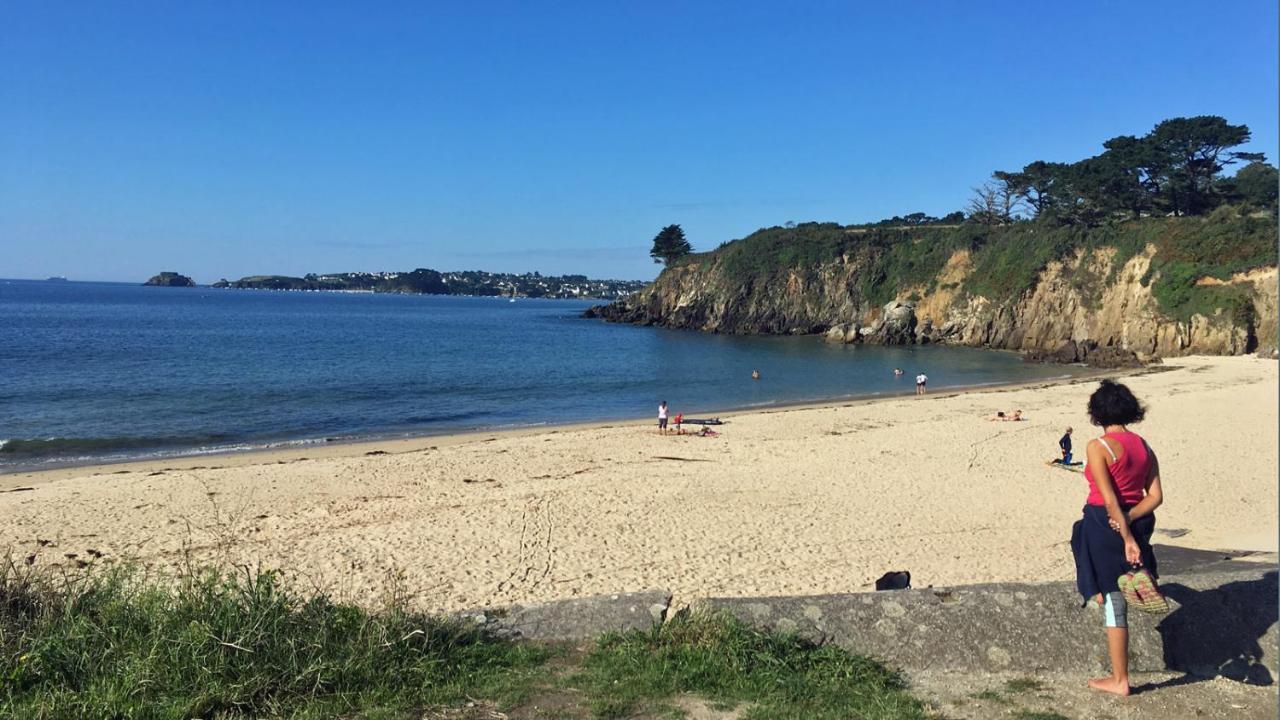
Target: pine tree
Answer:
[[669, 245]]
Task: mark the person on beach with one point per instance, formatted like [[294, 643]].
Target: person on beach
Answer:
[[679, 419], [662, 418], [1115, 565], [1064, 444], [921, 381]]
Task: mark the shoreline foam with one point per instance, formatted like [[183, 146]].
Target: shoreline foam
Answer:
[[289, 448]]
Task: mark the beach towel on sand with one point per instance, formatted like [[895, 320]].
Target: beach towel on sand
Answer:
[[1073, 467]]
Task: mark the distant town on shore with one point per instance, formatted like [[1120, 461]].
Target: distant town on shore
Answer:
[[426, 281]]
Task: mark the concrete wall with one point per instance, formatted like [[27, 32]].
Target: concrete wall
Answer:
[[1223, 622]]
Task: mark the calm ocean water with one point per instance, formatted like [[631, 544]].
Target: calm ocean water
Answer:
[[106, 371]]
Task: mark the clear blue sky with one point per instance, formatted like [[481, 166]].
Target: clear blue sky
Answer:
[[223, 139]]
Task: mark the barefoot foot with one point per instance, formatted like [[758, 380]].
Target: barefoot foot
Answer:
[[1111, 685]]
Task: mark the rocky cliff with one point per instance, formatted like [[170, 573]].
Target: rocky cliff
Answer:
[[1105, 297]]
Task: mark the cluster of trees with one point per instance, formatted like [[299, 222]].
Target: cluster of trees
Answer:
[[919, 219], [1176, 169]]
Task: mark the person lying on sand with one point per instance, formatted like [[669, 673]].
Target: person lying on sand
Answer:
[[1000, 416], [707, 432]]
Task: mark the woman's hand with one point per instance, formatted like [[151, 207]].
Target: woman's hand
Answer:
[[1115, 525], [1131, 552]]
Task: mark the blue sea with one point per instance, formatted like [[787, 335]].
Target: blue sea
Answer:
[[95, 372]]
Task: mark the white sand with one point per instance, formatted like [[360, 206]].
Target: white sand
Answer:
[[802, 501]]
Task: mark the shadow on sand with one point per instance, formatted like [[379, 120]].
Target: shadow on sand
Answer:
[[1218, 631]]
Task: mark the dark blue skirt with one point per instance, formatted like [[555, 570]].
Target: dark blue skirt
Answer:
[[1099, 551]]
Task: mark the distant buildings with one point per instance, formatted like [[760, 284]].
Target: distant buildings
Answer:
[[464, 282]]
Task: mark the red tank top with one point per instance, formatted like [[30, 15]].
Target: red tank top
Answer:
[[1129, 472]]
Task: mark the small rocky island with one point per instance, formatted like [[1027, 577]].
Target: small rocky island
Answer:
[[171, 279]]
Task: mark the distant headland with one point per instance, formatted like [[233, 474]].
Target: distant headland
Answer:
[[426, 281]]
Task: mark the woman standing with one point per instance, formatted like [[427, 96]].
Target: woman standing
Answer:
[[1113, 539]]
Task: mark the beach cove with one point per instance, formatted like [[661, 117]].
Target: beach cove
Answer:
[[800, 501]]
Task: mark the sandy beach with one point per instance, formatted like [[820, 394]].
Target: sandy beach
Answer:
[[801, 501]]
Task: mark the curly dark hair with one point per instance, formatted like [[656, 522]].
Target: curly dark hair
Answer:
[[1114, 404]]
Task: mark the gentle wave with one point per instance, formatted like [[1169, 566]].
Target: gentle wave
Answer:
[[443, 418], [57, 446]]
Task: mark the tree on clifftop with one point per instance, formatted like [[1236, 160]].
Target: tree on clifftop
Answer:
[[669, 245], [1256, 184]]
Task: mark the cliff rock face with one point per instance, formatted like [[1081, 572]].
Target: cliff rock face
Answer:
[[1081, 308], [171, 279]]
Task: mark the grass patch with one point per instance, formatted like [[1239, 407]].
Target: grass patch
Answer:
[[112, 643], [115, 643], [1019, 685], [990, 696], [1039, 715], [719, 658]]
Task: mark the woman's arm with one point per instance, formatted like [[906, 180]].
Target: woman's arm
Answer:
[[1155, 493], [1101, 474]]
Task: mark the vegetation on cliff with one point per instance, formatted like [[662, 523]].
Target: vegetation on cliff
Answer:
[[1007, 259], [1162, 196]]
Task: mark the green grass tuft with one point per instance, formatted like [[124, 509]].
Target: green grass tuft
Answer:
[[1035, 715], [722, 659], [115, 643], [990, 696], [112, 644], [1018, 685]]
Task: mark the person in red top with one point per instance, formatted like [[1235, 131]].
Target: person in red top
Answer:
[[1114, 536]]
